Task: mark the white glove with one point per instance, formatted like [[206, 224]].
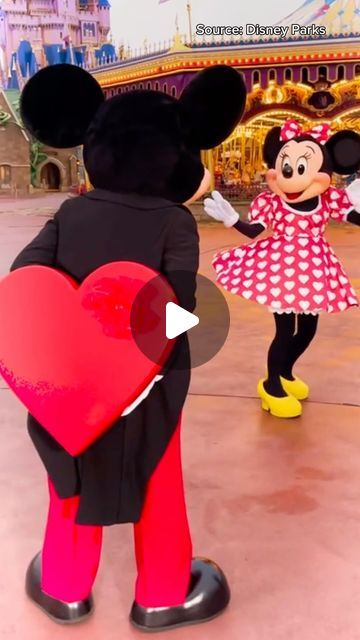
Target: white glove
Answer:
[[353, 193], [221, 210]]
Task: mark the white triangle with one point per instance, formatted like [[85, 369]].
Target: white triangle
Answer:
[[178, 320]]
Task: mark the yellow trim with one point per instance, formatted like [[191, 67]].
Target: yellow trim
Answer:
[[89, 186], [347, 113], [291, 111], [243, 57], [108, 80]]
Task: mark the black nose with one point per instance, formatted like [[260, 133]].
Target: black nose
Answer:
[[287, 171]]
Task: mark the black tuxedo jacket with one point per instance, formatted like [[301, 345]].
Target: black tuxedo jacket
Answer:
[[86, 233]]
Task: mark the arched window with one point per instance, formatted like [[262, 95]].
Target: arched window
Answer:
[[256, 77], [119, 90], [272, 75], [156, 86], [5, 176], [288, 74], [133, 87], [341, 72], [165, 88], [173, 91], [357, 70], [148, 86], [305, 75], [141, 85], [323, 73]]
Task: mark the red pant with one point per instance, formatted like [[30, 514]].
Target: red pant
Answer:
[[71, 552]]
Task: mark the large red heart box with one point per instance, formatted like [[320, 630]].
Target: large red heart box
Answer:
[[68, 351]]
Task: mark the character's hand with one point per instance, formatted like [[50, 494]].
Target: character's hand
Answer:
[[353, 193], [221, 210]]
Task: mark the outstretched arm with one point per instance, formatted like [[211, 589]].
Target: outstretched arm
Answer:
[[248, 229], [221, 210]]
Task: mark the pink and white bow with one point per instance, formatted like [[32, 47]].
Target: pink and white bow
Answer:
[[293, 129]]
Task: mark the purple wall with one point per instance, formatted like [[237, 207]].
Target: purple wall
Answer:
[[174, 84]]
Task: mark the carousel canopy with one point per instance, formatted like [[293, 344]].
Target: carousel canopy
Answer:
[[340, 17]]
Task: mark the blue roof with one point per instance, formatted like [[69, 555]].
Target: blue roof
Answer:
[[26, 59], [13, 82], [101, 3]]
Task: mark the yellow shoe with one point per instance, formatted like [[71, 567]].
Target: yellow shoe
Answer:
[[288, 407], [296, 388]]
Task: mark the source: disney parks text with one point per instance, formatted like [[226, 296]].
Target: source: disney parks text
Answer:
[[250, 29]]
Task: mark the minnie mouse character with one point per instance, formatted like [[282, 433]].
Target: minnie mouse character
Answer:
[[142, 155], [294, 272]]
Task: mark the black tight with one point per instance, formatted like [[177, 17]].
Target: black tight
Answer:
[[293, 336]]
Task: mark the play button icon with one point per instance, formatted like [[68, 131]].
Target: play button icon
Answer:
[[156, 318], [178, 320]]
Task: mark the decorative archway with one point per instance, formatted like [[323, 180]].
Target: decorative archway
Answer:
[[51, 174], [50, 177]]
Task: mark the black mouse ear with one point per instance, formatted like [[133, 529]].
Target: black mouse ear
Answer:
[[212, 105], [58, 104], [272, 146], [344, 151]]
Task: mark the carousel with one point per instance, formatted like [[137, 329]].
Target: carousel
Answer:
[[311, 79], [238, 164], [330, 95]]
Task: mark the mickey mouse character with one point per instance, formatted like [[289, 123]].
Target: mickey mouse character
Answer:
[[142, 155], [295, 272]]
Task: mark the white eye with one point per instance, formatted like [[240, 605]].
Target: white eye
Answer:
[[302, 165]]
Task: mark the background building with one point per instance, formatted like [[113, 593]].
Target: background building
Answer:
[[34, 33], [24, 162], [15, 169], [310, 78]]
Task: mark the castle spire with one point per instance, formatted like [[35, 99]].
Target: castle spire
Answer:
[[2, 68]]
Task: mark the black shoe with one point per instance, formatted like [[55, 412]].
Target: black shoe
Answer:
[[61, 612], [208, 596]]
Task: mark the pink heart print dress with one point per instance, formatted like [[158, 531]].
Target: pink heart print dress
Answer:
[[295, 270]]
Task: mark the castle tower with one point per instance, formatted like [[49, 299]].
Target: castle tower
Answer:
[[42, 32], [3, 60]]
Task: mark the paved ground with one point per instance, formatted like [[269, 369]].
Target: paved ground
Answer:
[[276, 503], [35, 205]]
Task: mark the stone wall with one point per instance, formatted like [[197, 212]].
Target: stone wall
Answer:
[[15, 154], [65, 160]]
